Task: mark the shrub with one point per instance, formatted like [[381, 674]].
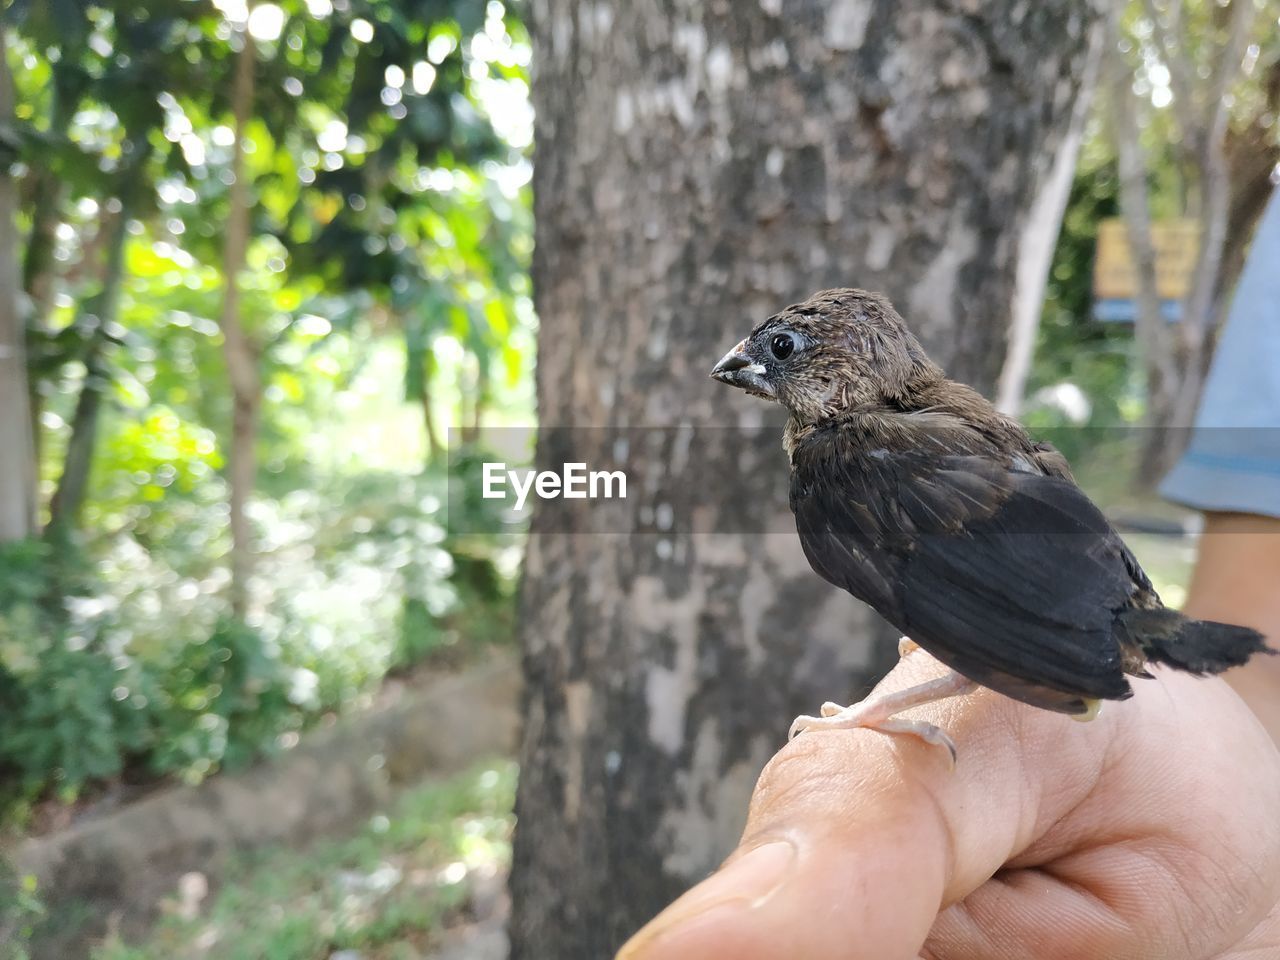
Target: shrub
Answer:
[[113, 664]]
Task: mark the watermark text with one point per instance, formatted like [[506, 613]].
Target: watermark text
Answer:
[[573, 482]]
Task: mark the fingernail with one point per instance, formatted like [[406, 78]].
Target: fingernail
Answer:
[[747, 882]]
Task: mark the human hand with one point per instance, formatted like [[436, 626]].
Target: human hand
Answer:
[[1151, 832]]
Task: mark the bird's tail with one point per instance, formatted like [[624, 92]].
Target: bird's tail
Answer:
[[1196, 646]]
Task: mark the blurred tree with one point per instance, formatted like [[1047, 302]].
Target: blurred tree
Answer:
[[18, 462], [698, 167], [98, 323], [1194, 88], [238, 347]]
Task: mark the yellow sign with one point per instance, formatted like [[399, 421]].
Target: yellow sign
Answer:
[[1176, 244]]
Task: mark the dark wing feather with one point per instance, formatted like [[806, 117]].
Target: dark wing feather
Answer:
[[1010, 576], [842, 559]]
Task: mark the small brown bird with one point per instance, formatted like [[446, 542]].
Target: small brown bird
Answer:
[[914, 494]]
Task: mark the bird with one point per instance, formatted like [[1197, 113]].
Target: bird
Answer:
[[914, 494]]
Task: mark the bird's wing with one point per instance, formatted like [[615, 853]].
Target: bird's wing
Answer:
[[1010, 576]]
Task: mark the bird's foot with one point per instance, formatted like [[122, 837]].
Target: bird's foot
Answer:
[[852, 717], [906, 647], [879, 713]]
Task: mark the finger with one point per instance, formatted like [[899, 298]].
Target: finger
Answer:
[[856, 839]]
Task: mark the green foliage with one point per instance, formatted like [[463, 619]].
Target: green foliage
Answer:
[[395, 883], [62, 718], [21, 911], [391, 234], [220, 700], [1073, 349], [149, 677], [1177, 52], [67, 721]]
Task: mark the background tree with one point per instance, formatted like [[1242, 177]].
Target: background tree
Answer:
[[698, 167], [1193, 90], [18, 465], [238, 347]]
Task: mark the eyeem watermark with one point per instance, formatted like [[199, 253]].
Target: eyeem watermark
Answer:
[[573, 482], [665, 481]]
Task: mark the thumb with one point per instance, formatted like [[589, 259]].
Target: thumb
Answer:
[[855, 839]]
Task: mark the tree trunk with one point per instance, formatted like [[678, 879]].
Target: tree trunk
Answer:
[[479, 402], [39, 266], [17, 449], [1151, 331], [38, 277], [238, 348], [699, 166], [1252, 153], [68, 499], [434, 446]]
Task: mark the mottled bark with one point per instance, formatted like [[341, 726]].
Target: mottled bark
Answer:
[[239, 350], [699, 165], [17, 450]]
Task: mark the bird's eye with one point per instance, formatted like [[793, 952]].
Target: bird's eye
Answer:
[[782, 345]]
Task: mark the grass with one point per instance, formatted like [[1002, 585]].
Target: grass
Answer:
[[386, 891]]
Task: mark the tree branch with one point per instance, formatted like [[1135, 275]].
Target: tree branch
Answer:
[[1175, 55]]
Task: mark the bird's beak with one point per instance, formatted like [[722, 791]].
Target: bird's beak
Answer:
[[739, 370]]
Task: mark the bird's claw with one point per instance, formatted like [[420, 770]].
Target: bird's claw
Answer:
[[906, 647], [928, 732], [881, 713], [836, 717], [801, 724]]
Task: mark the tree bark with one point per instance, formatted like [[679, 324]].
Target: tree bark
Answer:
[[17, 445], [238, 347], [699, 165]]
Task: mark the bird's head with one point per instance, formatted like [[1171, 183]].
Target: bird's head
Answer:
[[839, 350]]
